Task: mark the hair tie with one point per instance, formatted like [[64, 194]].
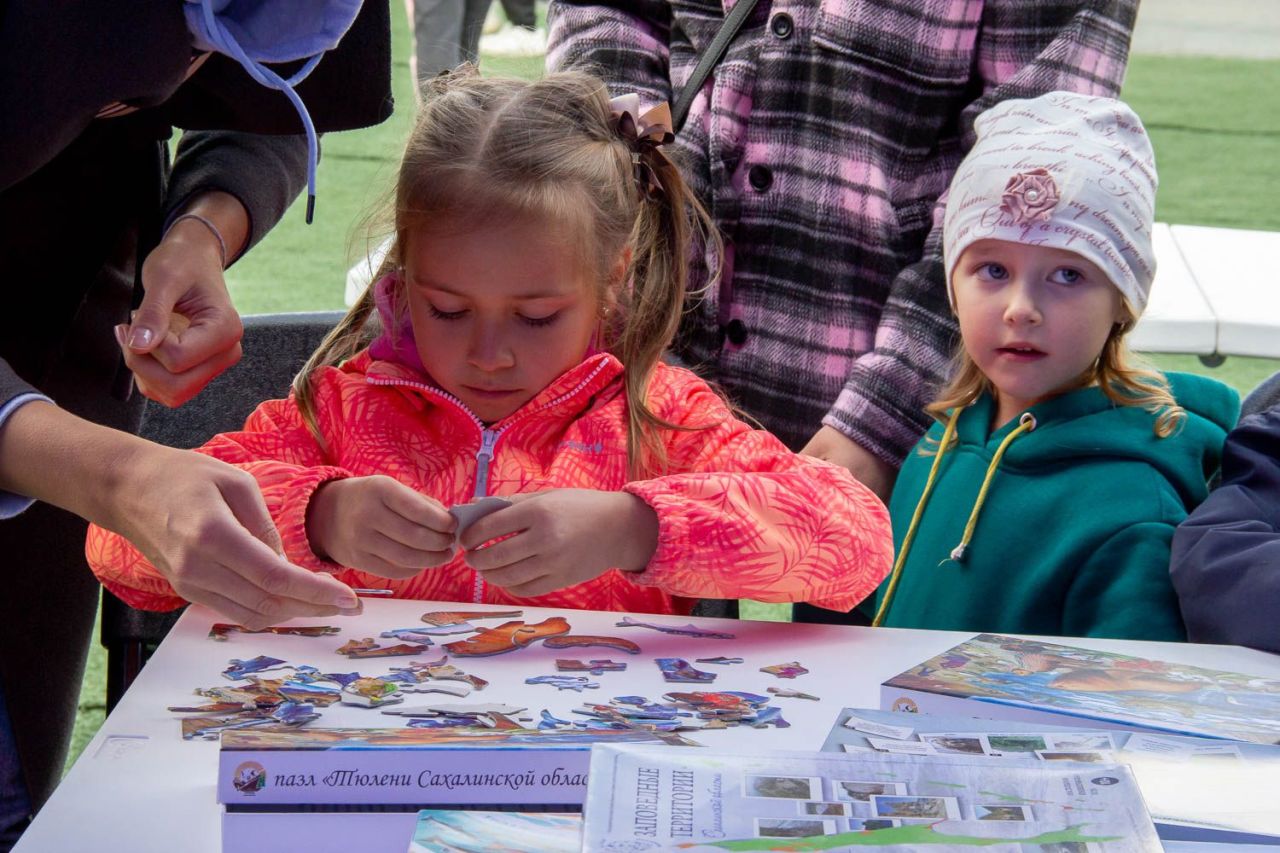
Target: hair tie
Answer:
[[644, 133]]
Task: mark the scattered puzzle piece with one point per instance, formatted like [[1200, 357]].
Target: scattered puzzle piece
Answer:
[[678, 669], [564, 682], [678, 630], [785, 670], [595, 667], [220, 630], [441, 618], [241, 668], [370, 693], [508, 637], [575, 641], [367, 648], [788, 693], [721, 661]]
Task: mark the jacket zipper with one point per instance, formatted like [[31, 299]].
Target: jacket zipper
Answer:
[[488, 439]]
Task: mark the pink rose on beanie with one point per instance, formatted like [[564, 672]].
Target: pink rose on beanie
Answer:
[[1030, 197]]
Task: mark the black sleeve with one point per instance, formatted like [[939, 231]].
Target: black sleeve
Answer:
[[266, 173]]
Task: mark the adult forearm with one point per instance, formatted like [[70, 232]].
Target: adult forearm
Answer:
[[224, 213], [54, 456]]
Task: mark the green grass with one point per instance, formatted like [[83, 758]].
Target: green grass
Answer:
[[1216, 145]]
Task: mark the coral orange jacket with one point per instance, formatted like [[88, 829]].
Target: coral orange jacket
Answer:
[[739, 515]]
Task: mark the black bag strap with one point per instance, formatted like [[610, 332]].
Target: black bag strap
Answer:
[[710, 59]]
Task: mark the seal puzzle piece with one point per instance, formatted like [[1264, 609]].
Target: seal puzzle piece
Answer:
[[367, 648], [220, 630], [581, 641], [720, 661], [508, 637], [241, 668], [564, 682], [441, 618], [677, 630], [785, 670], [788, 693], [679, 670], [595, 667]]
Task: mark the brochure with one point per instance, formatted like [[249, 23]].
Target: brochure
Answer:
[[1195, 789], [642, 798], [1009, 678]]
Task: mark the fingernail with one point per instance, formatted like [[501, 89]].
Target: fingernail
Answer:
[[141, 337], [121, 332]]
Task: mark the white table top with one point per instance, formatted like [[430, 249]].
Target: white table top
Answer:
[[139, 787]]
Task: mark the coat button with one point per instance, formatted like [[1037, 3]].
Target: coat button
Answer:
[[736, 332], [782, 25], [760, 177]]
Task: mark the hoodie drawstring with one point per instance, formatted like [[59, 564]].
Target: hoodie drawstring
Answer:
[[1025, 424], [226, 43]]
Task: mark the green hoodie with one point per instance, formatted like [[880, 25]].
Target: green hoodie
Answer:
[[1073, 536]]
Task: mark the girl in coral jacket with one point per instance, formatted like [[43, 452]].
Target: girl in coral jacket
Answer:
[[537, 275], [1045, 498]]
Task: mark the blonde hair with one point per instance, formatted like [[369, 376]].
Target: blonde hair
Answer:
[[1124, 378], [484, 150]]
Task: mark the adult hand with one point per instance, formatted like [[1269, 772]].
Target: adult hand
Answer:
[[554, 539], [203, 524], [379, 525], [834, 446], [186, 330]]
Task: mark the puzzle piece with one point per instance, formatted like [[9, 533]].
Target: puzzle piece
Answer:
[[442, 671], [508, 637], [448, 710], [550, 722], [241, 668], [220, 630], [367, 648], [441, 618], [595, 667], [679, 631], [371, 693], [785, 670], [468, 514], [678, 669], [788, 693], [459, 690], [564, 682], [575, 641], [721, 661]]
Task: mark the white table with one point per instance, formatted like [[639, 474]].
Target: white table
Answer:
[[139, 787]]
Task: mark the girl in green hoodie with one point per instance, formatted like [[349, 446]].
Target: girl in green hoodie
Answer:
[[1045, 498]]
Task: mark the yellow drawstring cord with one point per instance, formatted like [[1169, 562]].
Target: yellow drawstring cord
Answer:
[[1025, 424]]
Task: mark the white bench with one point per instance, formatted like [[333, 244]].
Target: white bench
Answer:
[[1215, 294]]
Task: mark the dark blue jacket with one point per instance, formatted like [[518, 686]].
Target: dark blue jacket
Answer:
[[1226, 555]]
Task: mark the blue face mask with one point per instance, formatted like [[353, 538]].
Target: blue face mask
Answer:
[[254, 33]]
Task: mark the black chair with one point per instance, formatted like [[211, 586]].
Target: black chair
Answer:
[[275, 348]]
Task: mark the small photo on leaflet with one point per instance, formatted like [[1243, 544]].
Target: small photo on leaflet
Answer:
[[863, 791], [1012, 743], [955, 744], [933, 808], [783, 787], [783, 827], [1001, 811], [870, 824], [1081, 743], [826, 809]]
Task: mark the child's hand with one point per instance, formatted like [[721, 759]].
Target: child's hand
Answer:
[[560, 538], [379, 525]]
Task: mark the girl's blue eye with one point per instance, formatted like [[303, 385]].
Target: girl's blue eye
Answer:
[[993, 271], [445, 315], [541, 321], [1066, 275]]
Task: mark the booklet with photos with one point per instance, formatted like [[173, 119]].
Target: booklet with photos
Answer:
[[1031, 680], [642, 798], [1196, 789]]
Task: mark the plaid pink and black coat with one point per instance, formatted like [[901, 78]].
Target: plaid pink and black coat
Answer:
[[823, 149]]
